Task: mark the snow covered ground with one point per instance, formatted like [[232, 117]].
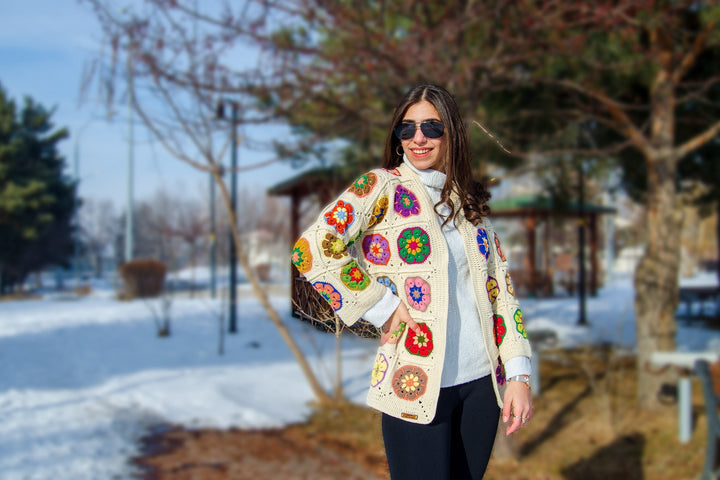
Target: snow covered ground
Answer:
[[82, 378]]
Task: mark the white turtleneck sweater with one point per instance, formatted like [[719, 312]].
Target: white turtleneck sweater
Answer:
[[466, 357]]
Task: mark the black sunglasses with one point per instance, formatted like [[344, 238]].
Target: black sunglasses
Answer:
[[429, 128]]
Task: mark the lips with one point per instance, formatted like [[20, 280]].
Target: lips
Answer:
[[420, 151]]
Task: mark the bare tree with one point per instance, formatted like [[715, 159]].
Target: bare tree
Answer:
[[98, 228], [180, 110]]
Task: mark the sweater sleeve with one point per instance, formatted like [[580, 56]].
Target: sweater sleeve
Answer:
[[326, 253]]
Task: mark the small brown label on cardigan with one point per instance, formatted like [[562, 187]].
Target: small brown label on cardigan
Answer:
[[409, 416]]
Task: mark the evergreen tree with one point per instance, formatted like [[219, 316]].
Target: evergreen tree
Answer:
[[36, 198]]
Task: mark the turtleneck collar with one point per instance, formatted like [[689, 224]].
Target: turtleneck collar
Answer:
[[429, 177]]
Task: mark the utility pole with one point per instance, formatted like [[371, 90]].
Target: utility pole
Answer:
[[129, 220]]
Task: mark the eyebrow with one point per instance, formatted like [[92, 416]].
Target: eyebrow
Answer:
[[432, 119]]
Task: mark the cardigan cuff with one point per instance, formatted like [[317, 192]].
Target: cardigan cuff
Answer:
[[379, 313], [518, 366]]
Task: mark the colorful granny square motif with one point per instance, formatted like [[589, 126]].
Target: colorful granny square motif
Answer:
[[409, 382], [406, 203], [499, 250], [341, 216], [414, 245], [301, 256], [483, 243], [333, 246], [422, 344], [388, 283], [376, 249], [379, 211], [395, 336], [353, 277], [330, 294], [364, 184], [500, 329], [500, 372], [379, 370], [417, 291], [509, 283], [519, 323], [492, 289]]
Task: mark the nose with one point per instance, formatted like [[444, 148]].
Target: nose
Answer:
[[419, 137]]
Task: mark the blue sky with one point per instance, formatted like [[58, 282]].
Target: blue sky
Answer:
[[44, 45]]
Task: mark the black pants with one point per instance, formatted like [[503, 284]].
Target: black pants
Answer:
[[456, 445]]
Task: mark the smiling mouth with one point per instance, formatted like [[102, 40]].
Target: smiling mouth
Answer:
[[421, 151]]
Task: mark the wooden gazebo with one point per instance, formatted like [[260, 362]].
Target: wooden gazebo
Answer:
[[534, 209], [326, 184]]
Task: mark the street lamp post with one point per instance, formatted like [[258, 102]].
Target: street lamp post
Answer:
[[232, 321], [582, 319]]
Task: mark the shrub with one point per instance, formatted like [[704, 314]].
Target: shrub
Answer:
[[142, 278]]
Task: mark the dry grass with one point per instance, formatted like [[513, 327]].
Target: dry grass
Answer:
[[585, 426]]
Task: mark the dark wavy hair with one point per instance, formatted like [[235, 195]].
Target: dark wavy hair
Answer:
[[458, 170]]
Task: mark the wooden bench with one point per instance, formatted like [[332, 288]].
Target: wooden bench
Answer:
[[685, 363]]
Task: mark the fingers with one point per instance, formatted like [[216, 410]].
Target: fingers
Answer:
[[517, 407], [404, 315], [396, 324]]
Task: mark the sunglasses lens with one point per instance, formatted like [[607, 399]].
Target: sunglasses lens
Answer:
[[431, 129], [405, 131]]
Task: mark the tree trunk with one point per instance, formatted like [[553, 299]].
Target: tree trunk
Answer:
[[656, 277], [260, 293]]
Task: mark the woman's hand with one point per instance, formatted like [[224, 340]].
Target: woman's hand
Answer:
[[400, 319], [517, 405]]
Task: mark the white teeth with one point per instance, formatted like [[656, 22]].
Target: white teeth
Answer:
[[420, 152]]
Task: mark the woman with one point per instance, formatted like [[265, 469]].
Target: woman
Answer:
[[409, 248]]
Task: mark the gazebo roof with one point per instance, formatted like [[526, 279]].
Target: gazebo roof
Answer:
[[529, 205], [310, 181]]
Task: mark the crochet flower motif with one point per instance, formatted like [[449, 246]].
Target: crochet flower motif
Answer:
[[414, 245], [406, 203], [509, 283], [376, 249], [330, 294], [395, 336], [409, 382], [353, 277], [483, 243], [301, 256], [379, 370], [379, 211], [388, 283], [418, 293], [499, 250], [500, 372], [394, 171], [519, 323], [341, 216], [364, 184], [422, 344], [500, 329], [333, 246], [492, 289]]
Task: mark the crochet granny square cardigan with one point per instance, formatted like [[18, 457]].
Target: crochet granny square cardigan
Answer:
[[383, 233]]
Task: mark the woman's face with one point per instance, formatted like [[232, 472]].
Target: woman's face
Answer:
[[421, 151]]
